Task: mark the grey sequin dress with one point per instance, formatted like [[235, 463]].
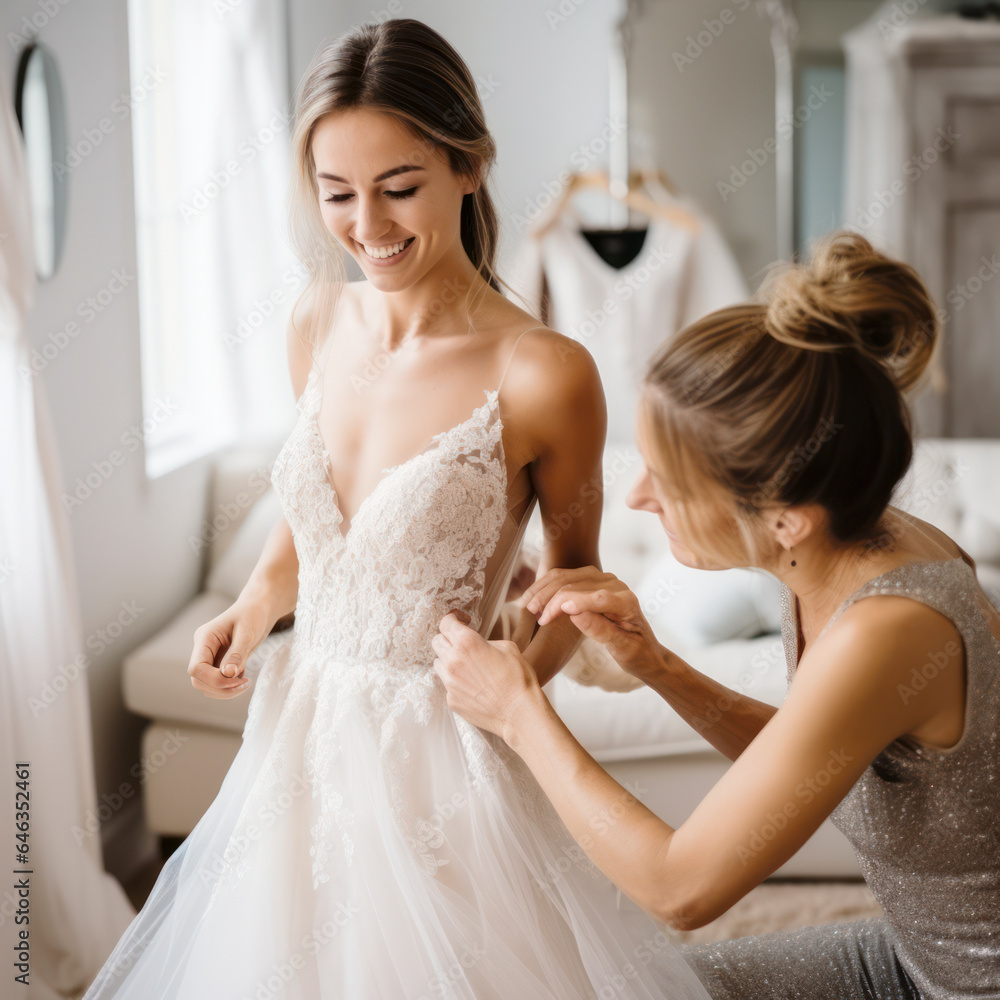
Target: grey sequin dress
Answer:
[[925, 826]]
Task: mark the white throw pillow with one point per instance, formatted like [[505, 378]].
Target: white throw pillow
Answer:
[[230, 574], [697, 607]]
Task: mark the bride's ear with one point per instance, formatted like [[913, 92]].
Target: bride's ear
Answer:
[[470, 182]]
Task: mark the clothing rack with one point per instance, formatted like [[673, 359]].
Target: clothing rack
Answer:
[[784, 29], [618, 152]]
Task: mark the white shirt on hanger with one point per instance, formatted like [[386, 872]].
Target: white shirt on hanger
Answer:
[[621, 315]]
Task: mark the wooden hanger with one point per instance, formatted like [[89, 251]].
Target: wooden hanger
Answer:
[[635, 198]]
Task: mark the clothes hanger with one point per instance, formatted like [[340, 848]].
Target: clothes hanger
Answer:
[[635, 198], [618, 243]]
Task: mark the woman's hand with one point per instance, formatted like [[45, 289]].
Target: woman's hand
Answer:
[[232, 637], [602, 608], [489, 682]]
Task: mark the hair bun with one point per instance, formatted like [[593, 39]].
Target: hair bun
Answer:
[[848, 295]]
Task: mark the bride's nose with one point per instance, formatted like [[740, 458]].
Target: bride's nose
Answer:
[[370, 220]]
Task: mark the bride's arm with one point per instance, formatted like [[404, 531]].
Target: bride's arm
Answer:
[[557, 400]]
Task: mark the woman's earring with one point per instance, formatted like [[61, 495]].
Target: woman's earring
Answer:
[[790, 552]]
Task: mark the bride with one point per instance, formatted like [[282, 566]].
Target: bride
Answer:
[[367, 842]]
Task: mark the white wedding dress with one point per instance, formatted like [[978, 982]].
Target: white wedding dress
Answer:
[[368, 843]]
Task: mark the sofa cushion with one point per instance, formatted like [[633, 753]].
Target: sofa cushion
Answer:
[[698, 607], [240, 477], [953, 485], [185, 766], [638, 724]]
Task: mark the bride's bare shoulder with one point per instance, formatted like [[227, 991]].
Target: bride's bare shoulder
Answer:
[[553, 382]]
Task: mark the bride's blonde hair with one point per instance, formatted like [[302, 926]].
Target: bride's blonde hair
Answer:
[[405, 69], [794, 398]]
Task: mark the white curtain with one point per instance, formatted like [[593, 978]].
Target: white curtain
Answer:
[[217, 277], [77, 911]]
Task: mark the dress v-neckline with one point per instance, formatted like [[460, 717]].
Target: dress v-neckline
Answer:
[[431, 448]]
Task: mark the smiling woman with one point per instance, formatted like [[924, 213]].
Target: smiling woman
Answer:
[[420, 196], [413, 163], [433, 415]]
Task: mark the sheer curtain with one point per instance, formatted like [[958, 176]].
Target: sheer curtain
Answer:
[[77, 911], [217, 278]]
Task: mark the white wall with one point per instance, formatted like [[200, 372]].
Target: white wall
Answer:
[[547, 66], [131, 536]]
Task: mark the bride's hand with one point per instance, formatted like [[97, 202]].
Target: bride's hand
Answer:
[[601, 607], [488, 681], [222, 647]]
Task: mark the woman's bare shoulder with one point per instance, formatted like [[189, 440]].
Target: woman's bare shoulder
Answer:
[[546, 360], [925, 541], [553, 386]]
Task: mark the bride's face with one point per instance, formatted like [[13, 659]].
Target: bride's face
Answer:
[[380, 187]]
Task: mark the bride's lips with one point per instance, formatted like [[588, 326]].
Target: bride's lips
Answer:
[[387, 261]]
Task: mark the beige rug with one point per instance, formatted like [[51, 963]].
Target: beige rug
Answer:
[[777, 906]]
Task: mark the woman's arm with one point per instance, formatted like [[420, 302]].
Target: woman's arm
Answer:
[[730, 721], [727, 719], [274, 582], [842, 709], [223, 645], [556, 394]]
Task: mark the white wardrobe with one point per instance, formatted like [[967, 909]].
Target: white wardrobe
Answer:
[[923, 164]]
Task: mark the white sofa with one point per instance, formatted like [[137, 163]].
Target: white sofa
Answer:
[[725, 624]]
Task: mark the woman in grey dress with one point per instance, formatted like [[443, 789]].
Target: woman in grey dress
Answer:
[[773, 435]]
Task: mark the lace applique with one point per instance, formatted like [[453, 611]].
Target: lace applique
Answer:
[[369, 604]]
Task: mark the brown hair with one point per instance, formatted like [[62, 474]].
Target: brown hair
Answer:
[[405, 69], [796, 397]]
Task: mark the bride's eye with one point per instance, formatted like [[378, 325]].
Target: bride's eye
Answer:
[[408, 193]]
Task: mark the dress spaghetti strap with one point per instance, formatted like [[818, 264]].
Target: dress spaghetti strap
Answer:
[[512, 350]]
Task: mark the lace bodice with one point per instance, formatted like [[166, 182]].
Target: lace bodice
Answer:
[[416, 547], [370, 601]]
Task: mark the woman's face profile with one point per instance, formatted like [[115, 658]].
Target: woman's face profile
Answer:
[[647, 493], [391, 199]]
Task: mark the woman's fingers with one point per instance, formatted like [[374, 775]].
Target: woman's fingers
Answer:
[[239, 649], [482, 678], [207, 643], [209, 679], [212, 643], [573, 600], [542, 590], [219, 690]]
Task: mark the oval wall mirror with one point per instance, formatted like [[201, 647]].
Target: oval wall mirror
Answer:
[[41, 115]]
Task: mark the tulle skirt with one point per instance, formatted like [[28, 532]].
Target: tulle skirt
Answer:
[[367, 843]]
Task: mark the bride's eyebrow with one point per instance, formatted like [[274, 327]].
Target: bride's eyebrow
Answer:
[[381, 177]]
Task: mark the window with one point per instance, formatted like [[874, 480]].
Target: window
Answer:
[[211, 120]]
